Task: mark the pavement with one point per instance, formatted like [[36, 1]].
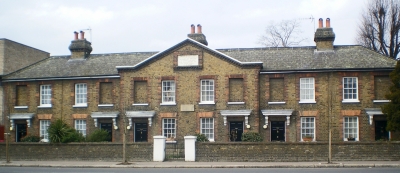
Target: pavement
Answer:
[[183, 164]]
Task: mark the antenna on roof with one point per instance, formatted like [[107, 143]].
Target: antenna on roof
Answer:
[[309, 18], [90, 32]]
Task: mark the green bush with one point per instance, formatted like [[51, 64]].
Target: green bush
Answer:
[[251, 137], [30, 138], [73, 136], [61, 132], [201, 138], [99, 135]]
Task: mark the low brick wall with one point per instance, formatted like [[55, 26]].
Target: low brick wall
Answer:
[[78, 151], [210, 151], [296, 152]]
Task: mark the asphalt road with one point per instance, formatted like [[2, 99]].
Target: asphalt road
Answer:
[[193, 170]]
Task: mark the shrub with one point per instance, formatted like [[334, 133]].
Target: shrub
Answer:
[[73, 136], [251, 137], [60, 132], [99, 135], [30, 138], [201, 138]]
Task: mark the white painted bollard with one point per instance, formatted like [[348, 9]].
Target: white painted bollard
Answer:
[[190, 148], [159, 148]]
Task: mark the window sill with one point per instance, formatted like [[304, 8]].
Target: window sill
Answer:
[[381, 101], [140, 104], [311, 102], [45, 106], [79, 106], [235, 103], [276, 103], [170, 142], [105, 105], [207, 103], [20, 107], [167, 104], [350, 101]]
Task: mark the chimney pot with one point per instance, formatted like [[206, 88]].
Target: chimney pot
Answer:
[[82, 35], [199, 29], [76, 35], [320, 23], [192, 29], [328, 22]]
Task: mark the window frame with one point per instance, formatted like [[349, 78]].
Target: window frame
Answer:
[[42, 95], [302, 134], [172, 85], [43, 129], [347, 89], [356, 128], [80, 95], [210, 135], [80, 126], [307, 91], [165, 127], [210, 93]]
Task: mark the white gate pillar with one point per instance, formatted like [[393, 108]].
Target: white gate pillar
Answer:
[[159, 148], [190, 148]]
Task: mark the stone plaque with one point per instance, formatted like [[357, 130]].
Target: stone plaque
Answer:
[[187, 108], [188, 60]]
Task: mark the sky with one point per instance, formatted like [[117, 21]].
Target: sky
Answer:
[[155, 25]]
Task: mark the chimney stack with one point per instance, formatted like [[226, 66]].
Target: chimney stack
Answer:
[[80, 48], [199, 36], [324, 36]]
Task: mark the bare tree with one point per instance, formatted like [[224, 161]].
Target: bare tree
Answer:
[[283, 34], [379, 28]]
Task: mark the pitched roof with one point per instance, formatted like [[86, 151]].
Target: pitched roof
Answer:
[[64, 66], [198, 44], [307, 58], [272, 59]]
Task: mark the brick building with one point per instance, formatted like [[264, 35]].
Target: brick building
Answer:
[[284, 94], [14, 56]]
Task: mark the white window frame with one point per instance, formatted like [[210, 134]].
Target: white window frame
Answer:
[[168, 92], [207, 128], [307, 127], [169, 127], [207, 91], [44, 126], [80, 95], [307, 90], [80, 126], [350, 128], [349, 90], [45, 96]]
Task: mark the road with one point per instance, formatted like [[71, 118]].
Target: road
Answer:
[[193, 170]]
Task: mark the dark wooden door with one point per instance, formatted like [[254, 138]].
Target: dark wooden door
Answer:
[[108, 127], [20, 132], [235, 130], [140, 132], [277, 130], [380, 131]]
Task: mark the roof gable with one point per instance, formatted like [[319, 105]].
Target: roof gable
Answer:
[[192, 42]]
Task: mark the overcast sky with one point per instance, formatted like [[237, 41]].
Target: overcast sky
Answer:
[[155, 25]]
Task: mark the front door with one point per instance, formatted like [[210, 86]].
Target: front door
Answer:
[[277, 130], [20, 132], [380, 131], [108, 128], [140, 132], [236, 130]]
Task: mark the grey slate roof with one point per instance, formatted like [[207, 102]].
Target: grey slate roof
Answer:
[[273, 59], [95, 65], [307, 58]]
